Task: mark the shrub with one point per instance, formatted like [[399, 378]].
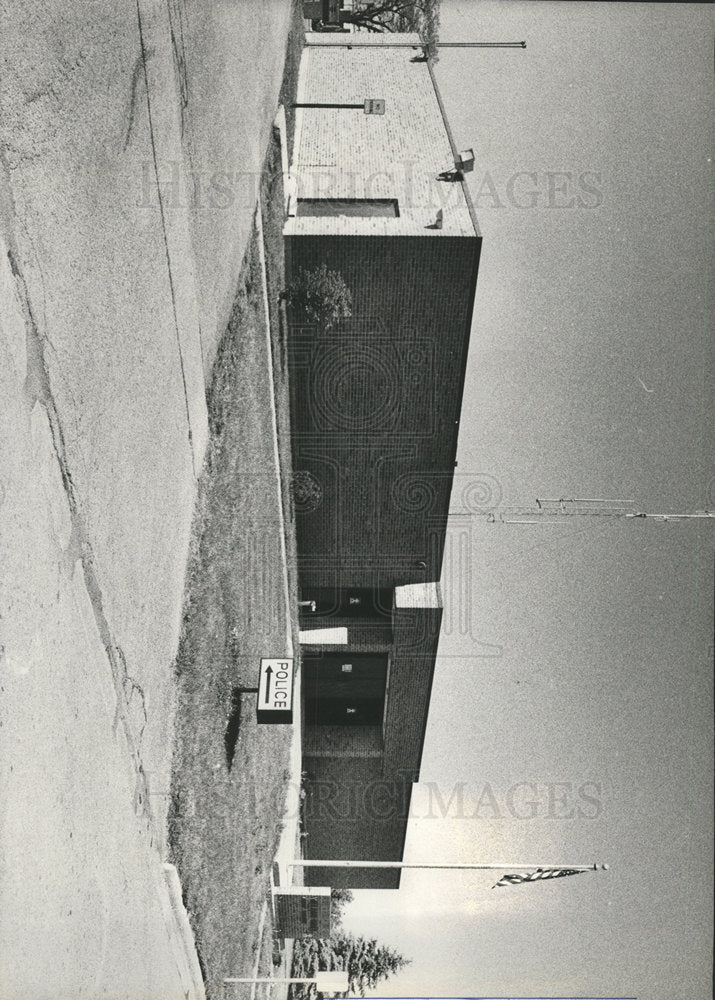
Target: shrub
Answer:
[[320, 296]]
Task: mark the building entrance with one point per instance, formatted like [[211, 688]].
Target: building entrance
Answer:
[[344, 689], [360, 602]]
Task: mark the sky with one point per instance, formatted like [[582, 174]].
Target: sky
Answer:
[[572, 702]]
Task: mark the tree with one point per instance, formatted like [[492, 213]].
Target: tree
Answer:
[[366, 962], [421, 16], [339, 899], [320, 296]]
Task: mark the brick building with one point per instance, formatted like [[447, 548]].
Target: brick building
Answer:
[[375, 408]]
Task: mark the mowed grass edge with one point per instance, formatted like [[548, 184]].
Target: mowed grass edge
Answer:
[[225, 818]]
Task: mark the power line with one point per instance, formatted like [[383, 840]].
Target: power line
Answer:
[[584, 507]]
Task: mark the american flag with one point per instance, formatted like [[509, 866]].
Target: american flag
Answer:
[[540, 873]]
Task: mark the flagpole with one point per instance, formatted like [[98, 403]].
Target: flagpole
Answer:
[[353, 43], [331, 863]]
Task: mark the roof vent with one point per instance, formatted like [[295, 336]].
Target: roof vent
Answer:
[[464, 161]]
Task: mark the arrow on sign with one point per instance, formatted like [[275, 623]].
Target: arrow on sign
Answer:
[[268, 672], [275, 698]]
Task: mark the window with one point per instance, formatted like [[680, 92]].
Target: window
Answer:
[[366, 207]]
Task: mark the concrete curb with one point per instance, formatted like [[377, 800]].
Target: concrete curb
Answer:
[[280, 874], [290, 187], [187, 958], [291, 813]]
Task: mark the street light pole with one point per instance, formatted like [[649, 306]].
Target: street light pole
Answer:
[[481, 45], [330, 981], [269, 979]]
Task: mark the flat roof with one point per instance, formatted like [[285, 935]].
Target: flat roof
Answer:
[[343, 154]]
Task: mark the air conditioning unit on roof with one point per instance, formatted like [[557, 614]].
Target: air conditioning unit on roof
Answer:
[[464, 161]]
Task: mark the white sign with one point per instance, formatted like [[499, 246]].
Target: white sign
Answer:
[[323, 636], [332, 982], [275, 691], [374, 106]]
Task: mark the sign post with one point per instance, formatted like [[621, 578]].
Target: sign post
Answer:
[[275, 691], [374, 106], [370, 106]]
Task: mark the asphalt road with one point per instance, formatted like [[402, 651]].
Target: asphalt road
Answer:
[[83, 908], [113, 299]]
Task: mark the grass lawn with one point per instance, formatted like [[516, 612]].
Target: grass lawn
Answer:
[[229, 775], [289, 85]]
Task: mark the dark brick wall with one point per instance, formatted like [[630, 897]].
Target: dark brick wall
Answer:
[[357, 805], [354, 812], [410, 686], [375, 406]]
